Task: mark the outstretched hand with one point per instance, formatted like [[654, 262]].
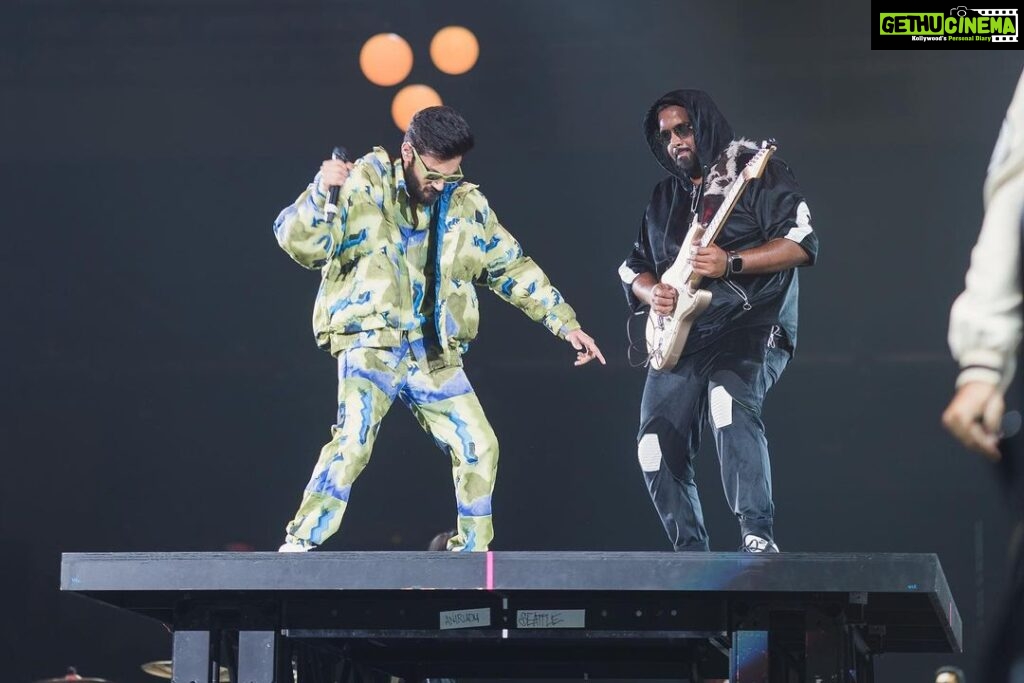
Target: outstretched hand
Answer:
[[586, 349]]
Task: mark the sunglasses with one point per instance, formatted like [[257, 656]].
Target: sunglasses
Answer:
[[682, 130], [433, 176]]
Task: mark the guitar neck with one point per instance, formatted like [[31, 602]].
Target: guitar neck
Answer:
[[680, 274], [717, 222]]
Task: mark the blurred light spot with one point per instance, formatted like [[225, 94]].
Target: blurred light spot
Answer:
[[386, 59], [454, 50], [410, 100], [239, 547]]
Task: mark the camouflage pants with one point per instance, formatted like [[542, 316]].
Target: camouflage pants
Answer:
[[369, 380]]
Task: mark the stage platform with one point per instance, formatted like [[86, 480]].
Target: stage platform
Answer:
[[682, 616]]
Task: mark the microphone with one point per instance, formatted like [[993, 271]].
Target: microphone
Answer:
[[331, 208], [1010, 425]]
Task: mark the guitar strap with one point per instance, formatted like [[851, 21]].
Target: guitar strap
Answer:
[[722, 175]]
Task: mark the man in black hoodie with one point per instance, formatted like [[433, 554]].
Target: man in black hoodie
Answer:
[[739, 346]]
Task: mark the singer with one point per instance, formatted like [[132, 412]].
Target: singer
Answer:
[[397, 307]]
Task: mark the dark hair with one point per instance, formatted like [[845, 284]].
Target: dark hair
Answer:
[[664, 104], [440, 132], [951, 670]]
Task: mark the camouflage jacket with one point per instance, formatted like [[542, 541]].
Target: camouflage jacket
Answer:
[[364, 295]]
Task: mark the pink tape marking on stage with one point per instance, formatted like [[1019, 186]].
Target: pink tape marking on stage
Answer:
[[490, 571]]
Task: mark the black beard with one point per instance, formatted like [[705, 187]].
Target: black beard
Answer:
[[689, 165], [416, 191]]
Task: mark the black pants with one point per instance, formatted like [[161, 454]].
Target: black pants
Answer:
[[1004, 657], [723, 385]]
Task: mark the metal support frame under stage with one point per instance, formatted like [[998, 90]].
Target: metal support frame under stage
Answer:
[[751, 618]]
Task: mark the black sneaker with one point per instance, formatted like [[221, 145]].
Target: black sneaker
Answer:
[[753, 543]]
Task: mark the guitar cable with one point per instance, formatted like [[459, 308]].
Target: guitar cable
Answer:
[[633, 345]]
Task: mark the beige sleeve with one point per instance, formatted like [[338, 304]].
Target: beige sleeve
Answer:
[[985, 321]]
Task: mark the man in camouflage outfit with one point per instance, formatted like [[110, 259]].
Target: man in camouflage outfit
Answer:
[[397, 306]]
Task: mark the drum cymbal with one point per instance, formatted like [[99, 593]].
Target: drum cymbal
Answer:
[[162, 669], [72, 678]]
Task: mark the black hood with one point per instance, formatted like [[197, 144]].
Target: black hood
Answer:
[[712, 132]]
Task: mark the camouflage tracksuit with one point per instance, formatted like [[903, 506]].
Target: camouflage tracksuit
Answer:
[[373, 312]]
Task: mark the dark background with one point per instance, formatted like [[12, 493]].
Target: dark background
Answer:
[[161, 386]]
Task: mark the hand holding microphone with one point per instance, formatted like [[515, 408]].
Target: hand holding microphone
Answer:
[[333, 174]]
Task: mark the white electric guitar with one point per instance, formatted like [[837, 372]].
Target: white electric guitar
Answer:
[[666, 334]]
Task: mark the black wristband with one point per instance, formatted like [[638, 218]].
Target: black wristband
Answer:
[[731, 261]]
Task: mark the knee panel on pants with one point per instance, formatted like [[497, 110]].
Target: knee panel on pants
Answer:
[[721, 407], [649, 453]]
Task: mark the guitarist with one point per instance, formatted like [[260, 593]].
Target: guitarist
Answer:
[[739, 346]]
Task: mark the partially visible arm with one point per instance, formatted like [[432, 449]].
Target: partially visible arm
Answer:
[[643, 287], [517, 279], [302, 229], [639, 279], [779, 254], [985, 321], [771, 257]]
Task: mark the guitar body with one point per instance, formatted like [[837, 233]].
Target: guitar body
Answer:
[[666, 334]]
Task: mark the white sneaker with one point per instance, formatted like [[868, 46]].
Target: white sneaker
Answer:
[[290, 547], [755, 544]]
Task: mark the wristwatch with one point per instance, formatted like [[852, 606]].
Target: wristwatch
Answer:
[[734, 264]]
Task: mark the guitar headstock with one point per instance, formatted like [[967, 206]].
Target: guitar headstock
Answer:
[[755, 167]]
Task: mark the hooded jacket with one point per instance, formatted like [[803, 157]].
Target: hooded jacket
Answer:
[[365, 297], [770, 207]]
